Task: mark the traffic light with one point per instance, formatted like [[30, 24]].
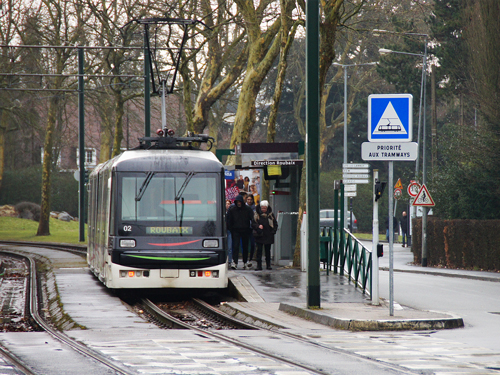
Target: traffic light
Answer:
[[379, 189], [86, 176], [380, 250]]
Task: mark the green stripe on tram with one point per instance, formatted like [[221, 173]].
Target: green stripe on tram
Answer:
[[167, 258]]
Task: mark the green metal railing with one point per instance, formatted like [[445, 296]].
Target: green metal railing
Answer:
[[343, 253]]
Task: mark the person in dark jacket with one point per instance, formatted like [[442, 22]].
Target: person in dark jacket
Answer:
[[395, 227], [265, 228], [251, 204], [405, 229], [239, 221]]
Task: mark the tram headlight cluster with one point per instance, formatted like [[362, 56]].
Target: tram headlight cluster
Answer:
[[137, 273], [201, 273]]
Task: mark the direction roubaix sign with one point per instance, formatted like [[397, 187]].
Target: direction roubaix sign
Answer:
[[390, 118]]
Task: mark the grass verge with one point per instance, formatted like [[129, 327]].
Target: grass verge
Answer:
[[15, 229]]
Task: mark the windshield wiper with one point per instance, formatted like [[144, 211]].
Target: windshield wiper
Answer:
[[184, 186], [144, 186]]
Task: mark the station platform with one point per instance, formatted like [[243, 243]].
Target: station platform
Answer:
[[278, 297]]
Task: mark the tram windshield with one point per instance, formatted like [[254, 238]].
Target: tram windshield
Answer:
[[170, 203]]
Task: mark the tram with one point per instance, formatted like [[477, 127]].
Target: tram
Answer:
[[389, 128], [156, 216]]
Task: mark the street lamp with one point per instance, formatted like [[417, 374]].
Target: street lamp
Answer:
[[345, 66], [420, 117], [377, 32]]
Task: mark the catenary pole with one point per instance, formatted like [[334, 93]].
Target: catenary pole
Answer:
[[312, 151], [424, 166], [147, 89], [81, 146]]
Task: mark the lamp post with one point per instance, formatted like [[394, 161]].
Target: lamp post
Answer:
[[345, 66], [421, 118], [377, 32]]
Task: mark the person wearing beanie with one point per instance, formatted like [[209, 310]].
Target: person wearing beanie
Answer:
[[239, 220], [265, 228]]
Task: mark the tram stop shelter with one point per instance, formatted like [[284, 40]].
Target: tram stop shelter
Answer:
[[281, 165]]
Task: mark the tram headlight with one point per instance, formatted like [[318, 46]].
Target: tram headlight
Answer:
[[210, 243], [127, 243]]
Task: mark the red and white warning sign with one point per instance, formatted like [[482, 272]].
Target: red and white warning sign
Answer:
[[413, 188], [423, 198]]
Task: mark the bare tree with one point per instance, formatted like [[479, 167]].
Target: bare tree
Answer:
[[262, 26], [484, 52], [222, 63], [63, 25], [10, 15]]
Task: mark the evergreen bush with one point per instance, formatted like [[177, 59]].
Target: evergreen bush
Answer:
[[25, 185]]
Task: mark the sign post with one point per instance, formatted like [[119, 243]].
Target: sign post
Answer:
[[425, 200], [390, 128], [375, 278]]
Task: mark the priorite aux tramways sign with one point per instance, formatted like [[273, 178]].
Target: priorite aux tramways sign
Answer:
[[389, 151]]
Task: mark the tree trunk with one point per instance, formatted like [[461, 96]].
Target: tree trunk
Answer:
[[302, 209], [119, 111], [210, 92], [263, 48], [3, 131], [43, 225], [286, 43]]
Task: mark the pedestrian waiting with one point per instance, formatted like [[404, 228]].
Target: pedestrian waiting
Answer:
[[265, 228], [240, 218]]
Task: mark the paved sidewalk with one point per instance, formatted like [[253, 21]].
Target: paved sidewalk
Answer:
[[270, 294], [403, 262]]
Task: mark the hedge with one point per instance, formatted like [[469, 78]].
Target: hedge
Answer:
[[25, 185], [463, 244]]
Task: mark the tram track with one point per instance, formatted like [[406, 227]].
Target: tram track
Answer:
[[214, 314], [34, 310], [172, 321], [212, 330]]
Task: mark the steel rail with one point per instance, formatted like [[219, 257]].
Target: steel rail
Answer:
[[58, 335], [78, 249], [222, 315], [34, 307], [278, 331], [176, 323], [8, 356], [165, 316]]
